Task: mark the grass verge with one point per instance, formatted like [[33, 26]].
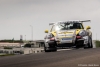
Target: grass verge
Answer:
[[97, 43], [6, 55]]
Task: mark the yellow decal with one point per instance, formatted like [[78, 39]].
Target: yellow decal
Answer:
[[54, 33], [78, 30]]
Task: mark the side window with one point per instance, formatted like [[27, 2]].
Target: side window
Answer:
[[53, 28], [82, 25]]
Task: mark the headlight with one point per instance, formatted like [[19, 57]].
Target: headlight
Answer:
[[82, 33], [49, 36]]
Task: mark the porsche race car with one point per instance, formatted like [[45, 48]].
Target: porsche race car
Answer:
[[68, 34]]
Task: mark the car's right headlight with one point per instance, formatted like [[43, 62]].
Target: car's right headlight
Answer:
[[82, 33]]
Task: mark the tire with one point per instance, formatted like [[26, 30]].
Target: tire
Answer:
[[55, 49], [89, 45], [48, 49], [77, 45]]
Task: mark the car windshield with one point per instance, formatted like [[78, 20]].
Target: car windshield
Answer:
[[68, 26]]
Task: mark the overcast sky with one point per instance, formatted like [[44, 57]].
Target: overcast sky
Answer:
[[16, 16]]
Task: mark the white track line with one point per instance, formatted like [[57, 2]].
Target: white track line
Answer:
[[63, 49]]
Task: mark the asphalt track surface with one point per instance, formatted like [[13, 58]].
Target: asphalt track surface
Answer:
[[65, 58]]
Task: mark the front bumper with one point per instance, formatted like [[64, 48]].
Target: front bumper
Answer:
[[84, 40], [64, 40]]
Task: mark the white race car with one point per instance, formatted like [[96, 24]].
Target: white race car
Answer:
[[68, 34]]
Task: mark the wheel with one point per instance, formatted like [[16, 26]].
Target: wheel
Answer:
[[50, 47], [77, 47], [89, 45], [54, 49], [77, 44], [45, 49]]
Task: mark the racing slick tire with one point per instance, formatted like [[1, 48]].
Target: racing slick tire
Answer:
[[89, 45], [45, 49], [51, 47]]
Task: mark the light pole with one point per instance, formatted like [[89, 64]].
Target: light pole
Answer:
[[32, 31], [25, 38]]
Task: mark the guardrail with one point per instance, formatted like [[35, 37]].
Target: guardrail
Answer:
[[21, 51]]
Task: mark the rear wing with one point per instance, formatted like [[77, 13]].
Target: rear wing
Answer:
[[85, 21], [51, 23], [74, 21]]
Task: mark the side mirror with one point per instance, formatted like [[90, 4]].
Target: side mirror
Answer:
[[88, 27], [46, 31]]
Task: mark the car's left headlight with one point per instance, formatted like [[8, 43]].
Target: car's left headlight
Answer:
[[82, 33]]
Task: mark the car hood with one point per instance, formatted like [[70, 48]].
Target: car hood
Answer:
[[68, 32]]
